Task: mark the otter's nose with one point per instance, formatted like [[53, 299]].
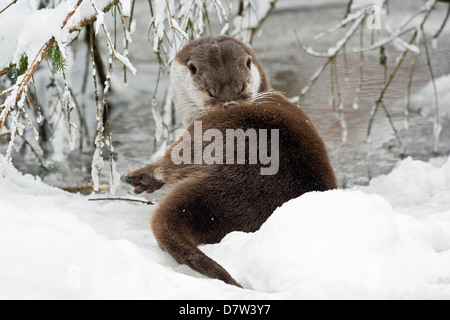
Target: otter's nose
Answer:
[[228, 105]]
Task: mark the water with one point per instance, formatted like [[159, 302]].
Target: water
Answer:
[[356, 161]]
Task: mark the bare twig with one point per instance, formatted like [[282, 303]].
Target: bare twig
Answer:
[[9, 5], [36, 154], [359, 20], [149, 203], [444, 23], [387, 84], [86, 189], [386, 41], [112, 168], [340, 25], [6, 92], [97, 162], [388, 115], [183, 34], [263, 19], [402, 30], [335, 79], [314, 78], [349, 8], [379, 101]]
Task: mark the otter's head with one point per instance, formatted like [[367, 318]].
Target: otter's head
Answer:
[[214, 73]]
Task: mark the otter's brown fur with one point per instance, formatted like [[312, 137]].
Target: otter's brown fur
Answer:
[[209, 201]]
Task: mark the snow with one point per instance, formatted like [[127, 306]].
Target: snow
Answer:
[[12, 25], [254, 12], [97, 163], [126, 7], [29, 29], [366, 3], [115, 178], [422, 101], [338, 245], [384, 241], [158, 23]]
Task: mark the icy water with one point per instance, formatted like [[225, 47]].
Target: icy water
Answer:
[[356, 161]]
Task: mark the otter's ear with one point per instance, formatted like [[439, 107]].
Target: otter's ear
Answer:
[[249, 62], [192, 68]]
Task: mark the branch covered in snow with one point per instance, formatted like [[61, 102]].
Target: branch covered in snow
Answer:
[[39, 33], [32, 32]]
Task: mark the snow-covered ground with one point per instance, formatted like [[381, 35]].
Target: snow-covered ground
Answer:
[[388, 240]]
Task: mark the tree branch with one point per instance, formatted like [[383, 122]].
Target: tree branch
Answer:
[[123, 199], [261, 22], [9, 5], [331, 55], [443, 23]]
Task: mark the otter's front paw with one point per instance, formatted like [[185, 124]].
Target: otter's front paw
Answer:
[[143, 182]]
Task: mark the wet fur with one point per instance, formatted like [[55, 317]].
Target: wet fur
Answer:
[[209, 201]]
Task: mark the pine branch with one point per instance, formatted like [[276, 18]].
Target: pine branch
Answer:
[[22, 87], [18, 89]]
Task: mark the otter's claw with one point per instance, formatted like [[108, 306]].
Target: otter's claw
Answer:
[[143, 183]]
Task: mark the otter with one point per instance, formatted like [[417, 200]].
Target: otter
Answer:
[[214, 72], [210, 199]]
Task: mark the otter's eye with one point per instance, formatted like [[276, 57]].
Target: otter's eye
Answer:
[[244, 86], [210, 94], [192, 68], [249, 62]]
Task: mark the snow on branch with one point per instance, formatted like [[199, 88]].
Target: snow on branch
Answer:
[[252, 14], [34, 31], [41, 34], [175, 22]]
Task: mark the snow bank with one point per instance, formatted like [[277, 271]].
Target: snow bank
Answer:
[[388, 240], [338, 245], [54, 245]]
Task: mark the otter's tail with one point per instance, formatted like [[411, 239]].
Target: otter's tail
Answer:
[[175, 239]]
